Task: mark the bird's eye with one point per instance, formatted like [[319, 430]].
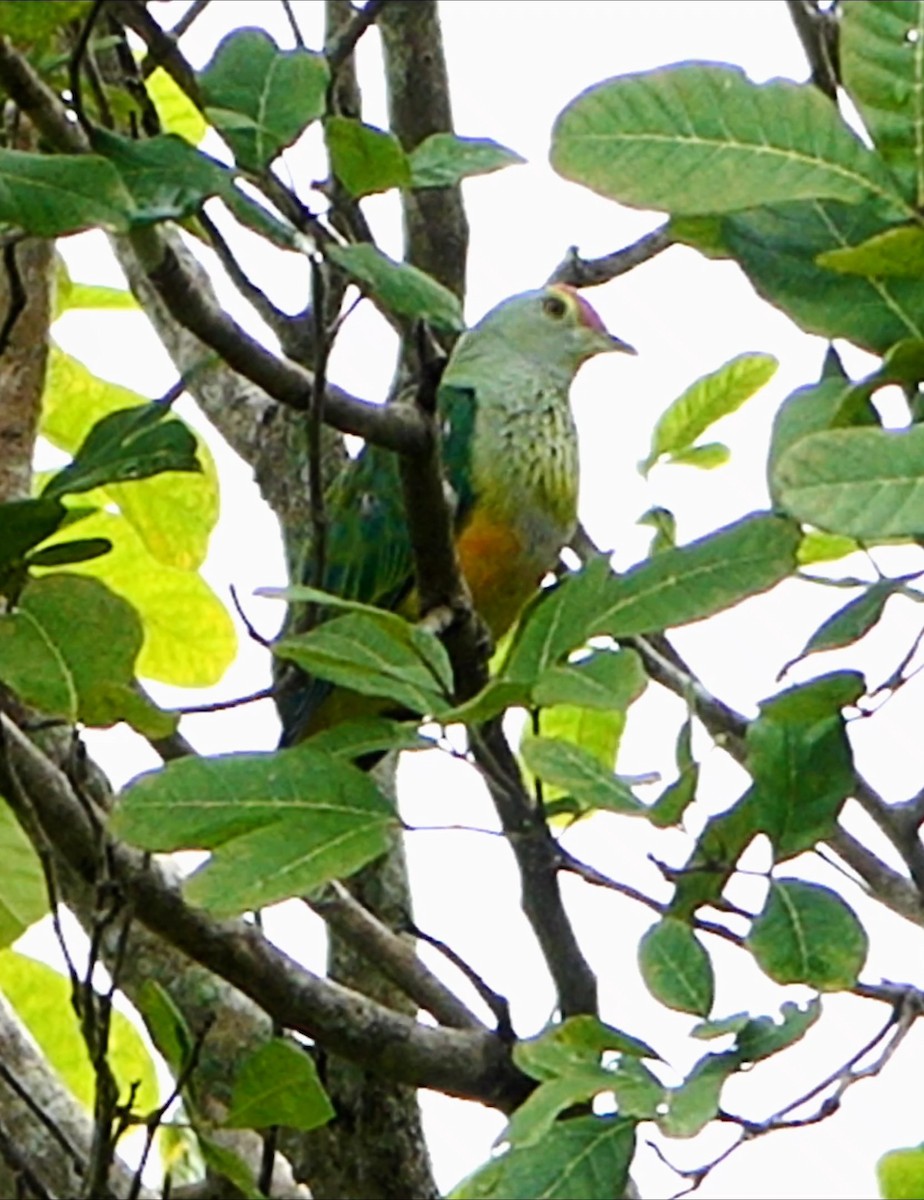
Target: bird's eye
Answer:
[[555, 307]]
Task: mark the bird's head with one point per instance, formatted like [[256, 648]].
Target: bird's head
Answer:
[[552, 326]]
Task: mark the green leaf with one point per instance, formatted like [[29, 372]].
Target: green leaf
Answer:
[[829, 404], [25, 524], [134, 443], [696, 1102], [222, 1161], [365, 159], [177, 112], [23, 894], [896, 253], [706, 401], [366, 735], [675, 967], [281, 824], [372, 656], [536, 1116], [900, 1174], [50, 195], [64, 553], [673, 802], [807, 934], [189, 637], [777, 249], [261, 98], [572, 1044], [696, 138], [818, 547], [760, 1037], [568, 1164], [664, 523], [854, 620], [278, 1085], [722, 842], [167, 1025], [801, 763], [580, 774], [400, 288], [174, 514], [603, 680], [865, 483], [444, 160], [706, 457], [699, 579], [70, 650], [593, 731], [42, 1000], [882, 71]]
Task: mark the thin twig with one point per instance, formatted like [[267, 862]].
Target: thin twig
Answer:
[[588, 272], [342, 46], [498, 1004]]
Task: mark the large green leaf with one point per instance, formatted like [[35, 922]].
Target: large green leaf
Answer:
[[70, 649], [173, 514], [697, 580], [259, 97], [50, 195], [807, 934], [777, 248], [706, 401], [568, 1164], [278, 1085], [399, 287], [23, 893], [702, 138], [443, 159], [882, 70], [675, 967], [280, 824], [692, 1105], [865, 483], [42, 999], [365, 159]]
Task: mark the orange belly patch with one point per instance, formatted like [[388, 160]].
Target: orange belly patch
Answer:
[[499, 569]]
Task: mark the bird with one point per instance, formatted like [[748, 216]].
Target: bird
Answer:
[[510, 457]]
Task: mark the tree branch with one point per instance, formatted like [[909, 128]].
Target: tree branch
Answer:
[[588, 272]]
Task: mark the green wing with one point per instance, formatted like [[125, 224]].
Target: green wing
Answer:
[[368, 552]]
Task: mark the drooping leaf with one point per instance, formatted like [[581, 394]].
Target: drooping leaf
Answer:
[[260, 98], [702, 138], [443, 159], [177, 112], [673, 802], [579, 774], [675, 967], [568, 1164], [706, 401], [399, 287], [664, 523], [854, 620], [760, 1037], [882, 72], [706, 456], [41, 997], [807, 934], [863, 482], [278, 1085], [365, 159]]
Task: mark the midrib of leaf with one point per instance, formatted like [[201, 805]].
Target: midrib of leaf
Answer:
[[803, 159], [792, 912], [572, 1165], [59, 658], [917, 89], [309, 856]]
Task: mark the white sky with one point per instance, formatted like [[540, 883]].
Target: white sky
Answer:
[[513, 67]]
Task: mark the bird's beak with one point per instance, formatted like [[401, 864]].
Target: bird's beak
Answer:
[[614, 343]]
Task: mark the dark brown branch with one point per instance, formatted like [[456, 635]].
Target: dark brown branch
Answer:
[[341, 47], [466, 1063], [393, 955], [588, 272], [818, 32]]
